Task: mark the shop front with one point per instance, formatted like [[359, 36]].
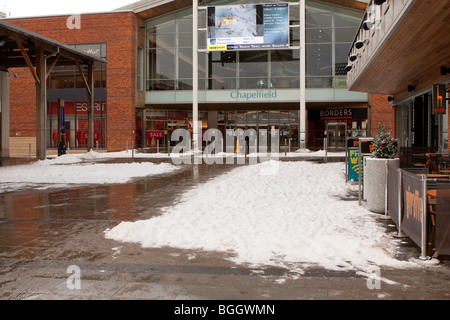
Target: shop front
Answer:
[[335, 124]]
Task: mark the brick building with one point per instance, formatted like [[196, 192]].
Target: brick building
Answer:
[[112, 35], [147, 84]]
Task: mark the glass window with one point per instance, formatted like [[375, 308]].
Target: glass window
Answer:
[[263, 117], [341, 21], [345, 35], [285, 69], [140, 69], [253, 69], [319, 35], [185, 63], [318, 20], [222, 70], [318, 60]]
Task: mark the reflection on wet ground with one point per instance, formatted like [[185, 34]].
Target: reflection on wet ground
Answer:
[[42, 232]]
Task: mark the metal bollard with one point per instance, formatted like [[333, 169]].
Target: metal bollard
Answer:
[[285, 147], [29, 151], [132, 149]]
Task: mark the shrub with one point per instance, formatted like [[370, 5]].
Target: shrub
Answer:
[[384, 146]]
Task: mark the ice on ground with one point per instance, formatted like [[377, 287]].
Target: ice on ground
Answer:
[[293, 218]]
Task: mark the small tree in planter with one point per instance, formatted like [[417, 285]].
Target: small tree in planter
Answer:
[[384, 146], [385, 150]]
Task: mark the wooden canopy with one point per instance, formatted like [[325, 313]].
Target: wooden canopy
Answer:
[[22, 48]]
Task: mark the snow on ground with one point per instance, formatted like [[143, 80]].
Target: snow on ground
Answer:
[[74, 169], [293, 218]]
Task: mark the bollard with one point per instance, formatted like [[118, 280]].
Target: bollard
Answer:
[[29, 151], [285, 147], [132, 149], [127, 147], [168, 147], [96, 142], [157, 146], [325, 147]]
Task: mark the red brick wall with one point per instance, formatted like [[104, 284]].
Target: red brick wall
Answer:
[[382, 112], [118, 31]]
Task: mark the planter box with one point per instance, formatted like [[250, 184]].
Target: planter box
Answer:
[[375, 182]]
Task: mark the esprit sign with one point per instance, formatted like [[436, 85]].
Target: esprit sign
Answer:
[[82, 107]]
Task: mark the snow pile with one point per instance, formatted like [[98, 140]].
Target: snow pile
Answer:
[[293, 219], [70, 169]]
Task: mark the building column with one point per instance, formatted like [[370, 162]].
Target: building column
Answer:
[[40, 104], [4, 115]]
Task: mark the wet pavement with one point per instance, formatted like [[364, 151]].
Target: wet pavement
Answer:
[[49, 237]]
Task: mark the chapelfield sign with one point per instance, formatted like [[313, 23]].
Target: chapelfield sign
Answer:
[[253, 95]]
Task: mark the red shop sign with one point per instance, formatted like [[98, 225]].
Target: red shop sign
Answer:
[[155, 134]]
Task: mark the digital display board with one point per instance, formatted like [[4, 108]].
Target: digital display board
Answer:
[[248, 27]]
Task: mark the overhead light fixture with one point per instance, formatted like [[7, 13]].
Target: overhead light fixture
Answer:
[[411, 88], [359, 44], [3, 41], [353, 57], [367, 25], [445, 70]]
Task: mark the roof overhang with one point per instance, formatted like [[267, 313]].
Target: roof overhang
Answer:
[[148, 9], [411, 55], [14, 41]]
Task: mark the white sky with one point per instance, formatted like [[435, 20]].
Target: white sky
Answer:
[[29, 8]]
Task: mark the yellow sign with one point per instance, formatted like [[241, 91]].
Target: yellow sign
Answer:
[[217, 48]]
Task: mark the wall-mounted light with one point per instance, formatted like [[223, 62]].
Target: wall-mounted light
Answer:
[[348, 68], [3, 41], [411, 88], [367, 25], [445, 70], [379, 2], [353, 57], [390, 98], [359, 44]]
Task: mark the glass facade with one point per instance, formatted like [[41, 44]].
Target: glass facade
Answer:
[[329, 33]]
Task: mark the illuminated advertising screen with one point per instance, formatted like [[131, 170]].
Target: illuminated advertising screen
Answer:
[[248, 27]]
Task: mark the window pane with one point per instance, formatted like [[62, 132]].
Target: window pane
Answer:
[[318, 60], [253, 63], [222, 70], [341, 21], [345, 34], [185, 63], [318, 20], [319, 35]]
